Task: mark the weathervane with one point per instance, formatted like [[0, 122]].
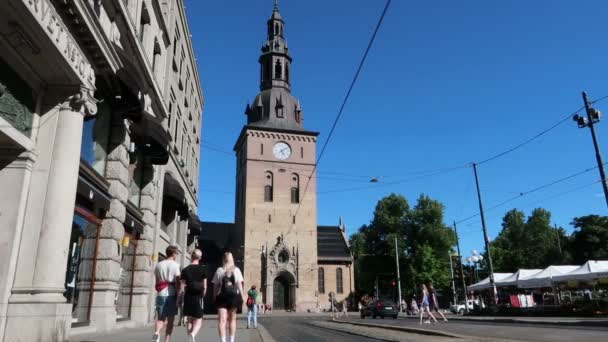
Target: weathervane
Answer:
[[276, 4]]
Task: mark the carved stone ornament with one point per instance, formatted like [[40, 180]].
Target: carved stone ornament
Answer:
[[83, 101]]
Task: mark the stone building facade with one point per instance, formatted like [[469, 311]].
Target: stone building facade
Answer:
[[100, 127], [275, 237]]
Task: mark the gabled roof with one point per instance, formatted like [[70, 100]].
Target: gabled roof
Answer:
[[332, 244]]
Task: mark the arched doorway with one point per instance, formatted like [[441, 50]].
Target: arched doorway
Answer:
[[282, 294]]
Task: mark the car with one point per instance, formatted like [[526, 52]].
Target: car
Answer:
[[461, 309], [380, 308]]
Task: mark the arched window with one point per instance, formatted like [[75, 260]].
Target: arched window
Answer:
[[276, 28], [268, 186], [321, 280], [339, 284], [295, 188], [287, 72], [278, 69]]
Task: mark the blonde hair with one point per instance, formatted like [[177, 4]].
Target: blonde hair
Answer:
[[228, 263], [197, 254]]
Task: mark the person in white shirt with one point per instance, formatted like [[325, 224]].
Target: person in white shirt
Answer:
[[228, 294], [167, 274]]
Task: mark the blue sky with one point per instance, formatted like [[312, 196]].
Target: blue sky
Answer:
[[446, 83]]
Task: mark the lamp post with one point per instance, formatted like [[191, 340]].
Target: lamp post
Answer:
[[475, 259]]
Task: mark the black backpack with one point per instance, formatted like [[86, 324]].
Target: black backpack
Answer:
[[229, 286], [196, 285]]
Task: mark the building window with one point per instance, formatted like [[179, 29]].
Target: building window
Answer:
[[295, 188], [278, 69], [268, 187], [339, 284], [287, 72], [276, 28], [321, 280], [95, 139]]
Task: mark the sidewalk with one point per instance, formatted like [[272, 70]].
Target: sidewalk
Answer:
[[575, 321], [207, 333]]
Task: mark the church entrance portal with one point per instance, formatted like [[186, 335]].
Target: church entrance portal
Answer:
[[282, 293]]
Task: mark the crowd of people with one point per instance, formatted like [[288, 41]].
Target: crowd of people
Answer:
[[185, 289]]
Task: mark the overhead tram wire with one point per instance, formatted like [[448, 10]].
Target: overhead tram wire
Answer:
[[525, 193], [522, 144], [350, 89], [581, 187]]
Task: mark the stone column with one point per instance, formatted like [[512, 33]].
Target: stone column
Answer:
[[107, 273], [58, 213], [143, 263]]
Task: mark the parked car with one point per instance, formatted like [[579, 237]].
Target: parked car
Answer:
[[460, 308], [380, 308]]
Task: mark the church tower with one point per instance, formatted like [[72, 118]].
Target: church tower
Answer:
[[276, 224]]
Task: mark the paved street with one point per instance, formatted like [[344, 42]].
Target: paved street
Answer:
[[521, 332], [318, 329]]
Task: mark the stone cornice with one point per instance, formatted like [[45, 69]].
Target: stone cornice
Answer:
[[275, 133]]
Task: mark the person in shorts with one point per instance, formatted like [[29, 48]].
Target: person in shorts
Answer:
[[166, 273], [425, 304], [228, 294], [434, 302], [192, 291]]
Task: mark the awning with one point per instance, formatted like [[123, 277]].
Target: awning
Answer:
[[194, 224], [152, 138], [97, 197], [134, 220], [174, 195]]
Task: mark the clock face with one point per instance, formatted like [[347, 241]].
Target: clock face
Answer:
[[281, 151]]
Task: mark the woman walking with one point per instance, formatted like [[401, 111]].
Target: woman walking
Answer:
[[193, 288], [228, 294], [434, 302], [425, 304]]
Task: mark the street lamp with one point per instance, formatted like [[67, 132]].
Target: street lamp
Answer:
[[475, 259]]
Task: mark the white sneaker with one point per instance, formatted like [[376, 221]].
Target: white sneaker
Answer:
[[156, 338], [191, 338]]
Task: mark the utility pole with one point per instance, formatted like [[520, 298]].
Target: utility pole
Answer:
[[464, 283], [455, 300], [398, 274], [485, 235], [559, 243], [593, 116]]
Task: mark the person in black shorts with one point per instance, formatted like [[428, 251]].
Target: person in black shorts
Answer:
[[193, 288]]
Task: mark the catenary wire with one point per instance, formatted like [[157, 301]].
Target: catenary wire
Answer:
[[525, 193]]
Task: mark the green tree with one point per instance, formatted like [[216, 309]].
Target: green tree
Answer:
[[424, 243], [590, 239], [530, 244]]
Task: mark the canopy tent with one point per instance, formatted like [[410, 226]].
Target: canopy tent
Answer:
[[545, 277], [516, 277], [592, 269], [485, 284]]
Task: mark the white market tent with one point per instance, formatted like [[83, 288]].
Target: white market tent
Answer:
[[514, 278], [545, 277], [485, 284], [592, 269]]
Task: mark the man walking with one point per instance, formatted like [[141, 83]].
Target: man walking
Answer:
[[193, 287], [252, 308], [166, 274]]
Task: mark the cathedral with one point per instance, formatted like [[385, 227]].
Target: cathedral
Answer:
[[275, 238]]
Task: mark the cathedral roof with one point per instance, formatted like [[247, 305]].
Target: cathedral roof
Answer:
[[275, 108], [332, 244]]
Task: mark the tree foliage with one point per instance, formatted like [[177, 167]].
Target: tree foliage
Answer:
[[590, 239], [424, 243], [527, 243]]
